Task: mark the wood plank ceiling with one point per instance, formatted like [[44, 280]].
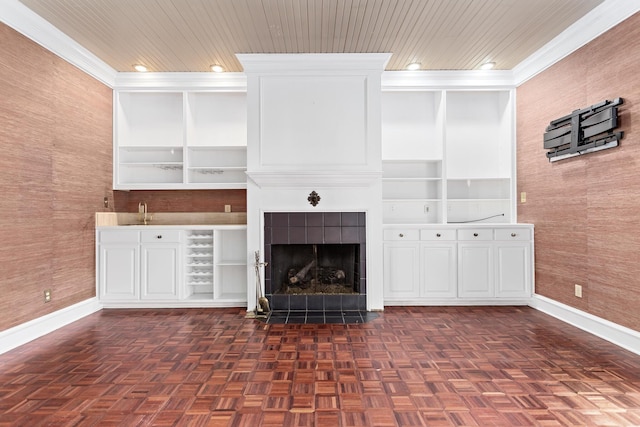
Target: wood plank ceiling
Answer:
[[191, 35]]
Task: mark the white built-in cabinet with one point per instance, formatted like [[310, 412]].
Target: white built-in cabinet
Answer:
[[451, 264], [447, 156], [448, 196], [179, 140], [159, 264], [156, 266]]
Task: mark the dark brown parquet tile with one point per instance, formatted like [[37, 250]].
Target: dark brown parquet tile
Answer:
[[414, 366]]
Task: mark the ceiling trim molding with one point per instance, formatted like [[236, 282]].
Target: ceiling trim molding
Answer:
[[28, 23], [181, 81], [601, 19], [296, 63], [442, 79]]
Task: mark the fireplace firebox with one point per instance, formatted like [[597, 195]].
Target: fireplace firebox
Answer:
[[315, 261]]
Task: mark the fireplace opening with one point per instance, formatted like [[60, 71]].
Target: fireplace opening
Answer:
[[321, 269], [307, 255]]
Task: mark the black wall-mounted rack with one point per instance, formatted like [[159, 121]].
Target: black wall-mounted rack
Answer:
[[583, 131]]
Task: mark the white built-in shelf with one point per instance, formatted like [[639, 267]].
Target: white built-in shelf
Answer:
[[180, 140], [447, 156]]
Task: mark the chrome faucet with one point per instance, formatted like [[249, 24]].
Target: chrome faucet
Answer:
[[142, 213]]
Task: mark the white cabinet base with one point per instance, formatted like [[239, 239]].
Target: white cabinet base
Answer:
[[171, 267], [489, 264]]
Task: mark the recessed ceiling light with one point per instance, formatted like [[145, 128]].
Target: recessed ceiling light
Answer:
[[217, 68], [487, 65], [139, 67], [413, 66]]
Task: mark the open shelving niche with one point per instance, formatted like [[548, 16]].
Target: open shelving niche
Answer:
[[180, 140], [216, 264], [447, 156]]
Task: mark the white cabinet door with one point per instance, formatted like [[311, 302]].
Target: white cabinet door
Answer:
[[118, 272], [401, 270], [159, 275], [438, 270], [475, 270], [512, 270]]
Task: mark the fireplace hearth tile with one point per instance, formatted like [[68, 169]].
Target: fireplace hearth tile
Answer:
[[315, 235], [279, 235], [314, 219], [333, 302], [320, 317], [350, 234], [267, 219], [332, 219], [297, 219], [279, 219], [349, 219], [315, 302], [297, 235], [297, 302], [279, 302], [332, 234]]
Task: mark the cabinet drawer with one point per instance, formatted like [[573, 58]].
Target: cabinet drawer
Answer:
[[476, 234], [400, 234], [160, 236], [119, 236], [437, 235], [513, 234]]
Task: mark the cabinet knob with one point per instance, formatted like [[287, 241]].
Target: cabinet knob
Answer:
[[401, 235], [475, 234], [513, 234], [438, 234], [159, 236]]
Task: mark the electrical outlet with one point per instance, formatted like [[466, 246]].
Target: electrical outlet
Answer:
[[523, 197], [227, 208], [47, 295], [578, 291]]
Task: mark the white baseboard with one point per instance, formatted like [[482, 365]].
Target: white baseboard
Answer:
[[22, 334], [612, 332]]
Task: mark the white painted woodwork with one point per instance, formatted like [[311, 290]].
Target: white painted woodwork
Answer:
[[458, 264], [159, 267], [314, 125], [438, 273], [118, 271], [178, 139], [475, 270], [448, 155], [171, 266], [313, 121], [513, 269], [402, 269]]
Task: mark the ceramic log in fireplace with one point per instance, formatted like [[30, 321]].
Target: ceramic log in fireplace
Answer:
[[316, 260]]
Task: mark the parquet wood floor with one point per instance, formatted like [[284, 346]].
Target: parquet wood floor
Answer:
[[412, 366]]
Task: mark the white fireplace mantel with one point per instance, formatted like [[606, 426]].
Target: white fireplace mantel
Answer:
[[313, 123], [295, 179]]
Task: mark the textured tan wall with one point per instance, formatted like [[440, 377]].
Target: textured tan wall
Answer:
[[55, 169], [181, 200], [586, 209]]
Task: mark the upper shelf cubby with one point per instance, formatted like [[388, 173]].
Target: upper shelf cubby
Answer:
[[180, 140]]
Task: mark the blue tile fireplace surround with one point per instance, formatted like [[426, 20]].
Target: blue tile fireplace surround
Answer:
[[316, 261]]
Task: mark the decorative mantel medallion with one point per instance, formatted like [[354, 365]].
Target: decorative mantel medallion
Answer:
[[314, 198]]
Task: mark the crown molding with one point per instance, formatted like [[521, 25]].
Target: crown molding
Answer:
[[442, 79], [28, 23], [296, 63], [601, 19], [183, 81]]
